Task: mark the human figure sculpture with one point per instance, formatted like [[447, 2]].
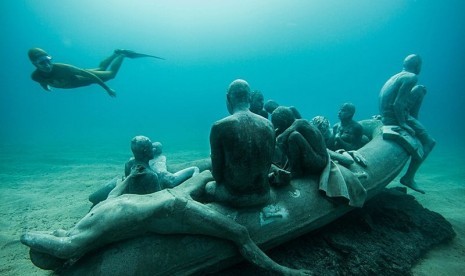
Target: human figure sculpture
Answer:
[[302, 143], [399, 103], [158, 165], [60, 75], [242, 147], [343, 157], [142, 179], [168, 179], [271, 106], [324, 126], [257, 103], [348, 133], [170, 211]]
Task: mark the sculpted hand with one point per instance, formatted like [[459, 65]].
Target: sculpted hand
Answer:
[[137, 170], [358, 158]]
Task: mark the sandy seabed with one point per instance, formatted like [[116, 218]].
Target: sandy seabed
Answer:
[[47, 188]]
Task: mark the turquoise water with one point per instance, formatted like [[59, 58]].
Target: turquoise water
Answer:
[[314, 55], [311, 54]]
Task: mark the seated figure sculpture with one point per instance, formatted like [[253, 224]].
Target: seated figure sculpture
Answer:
[[348, 133], [142, 180], [343, 157], [158, 165], [399, 103], [302, 143], [146, 181], [324, 126], [257, 103], [242, 147], [271, 106], [169, 211]]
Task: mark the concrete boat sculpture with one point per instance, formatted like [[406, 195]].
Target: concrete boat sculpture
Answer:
[[296, 210]]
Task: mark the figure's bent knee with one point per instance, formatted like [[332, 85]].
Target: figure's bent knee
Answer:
[[210, 188], [295, 136]]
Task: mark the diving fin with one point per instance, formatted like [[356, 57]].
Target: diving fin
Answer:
[[132, 54]]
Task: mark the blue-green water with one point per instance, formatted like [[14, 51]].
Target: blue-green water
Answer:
[[312, 54]]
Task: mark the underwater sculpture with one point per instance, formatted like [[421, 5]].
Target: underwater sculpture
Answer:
[[294, 210], [400, 100], [257, 103], [348, 133], [302, 143], [242, 147], [60, 75], [150, 163], [142, 178], [170, 211]]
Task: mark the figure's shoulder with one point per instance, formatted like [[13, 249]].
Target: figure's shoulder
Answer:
[[407, 76], [301, 122], [356, 123], [63, 67], [221, 122], [219, 127], [358, 126], [262, 120]]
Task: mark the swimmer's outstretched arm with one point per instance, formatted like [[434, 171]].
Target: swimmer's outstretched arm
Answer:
[[97, 80], [87, 74]]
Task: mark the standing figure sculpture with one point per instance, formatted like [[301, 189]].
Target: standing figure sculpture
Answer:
[[301, 142], [242, 147], [60, 75], [399, 103]]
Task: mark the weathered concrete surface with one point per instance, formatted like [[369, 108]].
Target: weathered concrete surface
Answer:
[[386, 237]]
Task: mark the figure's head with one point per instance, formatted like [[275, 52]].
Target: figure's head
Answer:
[[142, 148], [346, 112], [282, 118], [40, 59], [412, 63], [238, 95], [323, 125], [157, 148], [256, 101], [270, 106]]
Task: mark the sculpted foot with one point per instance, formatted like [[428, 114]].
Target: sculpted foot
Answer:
[[411, 184], [57, 246]]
